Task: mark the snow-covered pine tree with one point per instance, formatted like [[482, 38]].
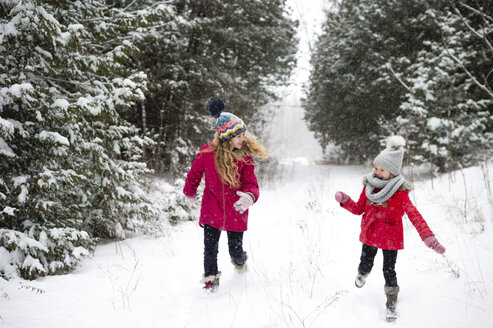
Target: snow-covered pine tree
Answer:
[[323, 105], [446, 116], [386, 67], [70, 165], [350, 92], [236, 50]]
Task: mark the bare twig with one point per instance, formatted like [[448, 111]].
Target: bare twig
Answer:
[[398, 78], [465, 189], [474, 80], [481, 36], [485, 24], [486, 177], [466, 303], [319, 309], [130, 4], [474, 10], [472, 283], [486, 87], [486, 79]]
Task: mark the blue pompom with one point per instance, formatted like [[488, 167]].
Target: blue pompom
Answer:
[[217, 107]]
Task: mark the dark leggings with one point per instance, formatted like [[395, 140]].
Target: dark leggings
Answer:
[[389, 258], [211, 248]]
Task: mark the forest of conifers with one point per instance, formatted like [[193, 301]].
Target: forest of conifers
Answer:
[[99, 97]]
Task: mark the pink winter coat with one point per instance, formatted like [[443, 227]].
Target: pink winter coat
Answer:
[[217, 202], [381, 225]]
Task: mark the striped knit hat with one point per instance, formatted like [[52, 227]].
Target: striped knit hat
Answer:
[[228, 125]]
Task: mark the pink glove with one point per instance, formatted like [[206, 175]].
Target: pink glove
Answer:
[[341, 197], [433, 243], [244, 202]]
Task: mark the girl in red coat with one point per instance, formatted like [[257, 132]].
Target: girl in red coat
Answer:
[[230, 188], [383, 202]]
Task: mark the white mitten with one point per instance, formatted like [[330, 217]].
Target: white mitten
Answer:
[[244, 202]]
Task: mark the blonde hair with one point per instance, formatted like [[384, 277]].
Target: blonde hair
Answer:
[[226, 155]]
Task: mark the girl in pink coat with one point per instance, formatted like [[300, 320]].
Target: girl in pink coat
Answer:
[[230, 188], [383, 202]]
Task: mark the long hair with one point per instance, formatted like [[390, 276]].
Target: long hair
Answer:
[[226, 155]]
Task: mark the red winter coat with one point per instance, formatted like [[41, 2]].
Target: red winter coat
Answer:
[[217, 202], [382, 226]]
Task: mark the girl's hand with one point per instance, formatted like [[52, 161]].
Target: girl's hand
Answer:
[[433, 243], [244, 202], [341, 197]]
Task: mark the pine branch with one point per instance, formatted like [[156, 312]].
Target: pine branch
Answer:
[[488, 91], [480, 12], [476, 11], [61, 80]]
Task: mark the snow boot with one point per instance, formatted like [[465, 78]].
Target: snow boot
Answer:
[[391, 304], [239, 265], [211, 282], [360, 279]]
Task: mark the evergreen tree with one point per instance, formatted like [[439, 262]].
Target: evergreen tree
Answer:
[[351, 90], [236, 50], [70, 164], [382, 68], [446, 116]]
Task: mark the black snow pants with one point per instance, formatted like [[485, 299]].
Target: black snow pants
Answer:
[[211, 248], [389, 258]]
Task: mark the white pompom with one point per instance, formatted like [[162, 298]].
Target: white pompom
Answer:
[[396, 142]]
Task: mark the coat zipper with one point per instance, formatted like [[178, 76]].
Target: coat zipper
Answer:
[[224, 208]]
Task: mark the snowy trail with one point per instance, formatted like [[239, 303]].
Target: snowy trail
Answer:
[[303, 252]]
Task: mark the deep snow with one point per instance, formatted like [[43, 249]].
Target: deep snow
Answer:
[[303, 254]]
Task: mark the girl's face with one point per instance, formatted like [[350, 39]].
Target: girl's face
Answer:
[[237, 141], [382, 173]]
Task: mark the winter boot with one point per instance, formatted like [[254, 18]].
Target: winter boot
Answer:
[[239, 264], [360, 279], [211, 282], [391, 304]]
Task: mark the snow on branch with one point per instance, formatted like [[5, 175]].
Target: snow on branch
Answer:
[[479, 12], [485, 88]]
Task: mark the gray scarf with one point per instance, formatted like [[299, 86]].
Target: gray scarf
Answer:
[[388, 187]]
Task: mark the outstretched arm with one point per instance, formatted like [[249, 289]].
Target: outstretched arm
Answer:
[[421, 226], [356, 208]]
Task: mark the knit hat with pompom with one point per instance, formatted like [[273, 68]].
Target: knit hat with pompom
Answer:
[[228, 125], [391, 157]]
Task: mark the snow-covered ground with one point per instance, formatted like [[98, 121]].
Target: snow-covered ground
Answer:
[[303, 254]]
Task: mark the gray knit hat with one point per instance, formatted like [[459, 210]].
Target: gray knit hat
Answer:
[[391, 157]]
